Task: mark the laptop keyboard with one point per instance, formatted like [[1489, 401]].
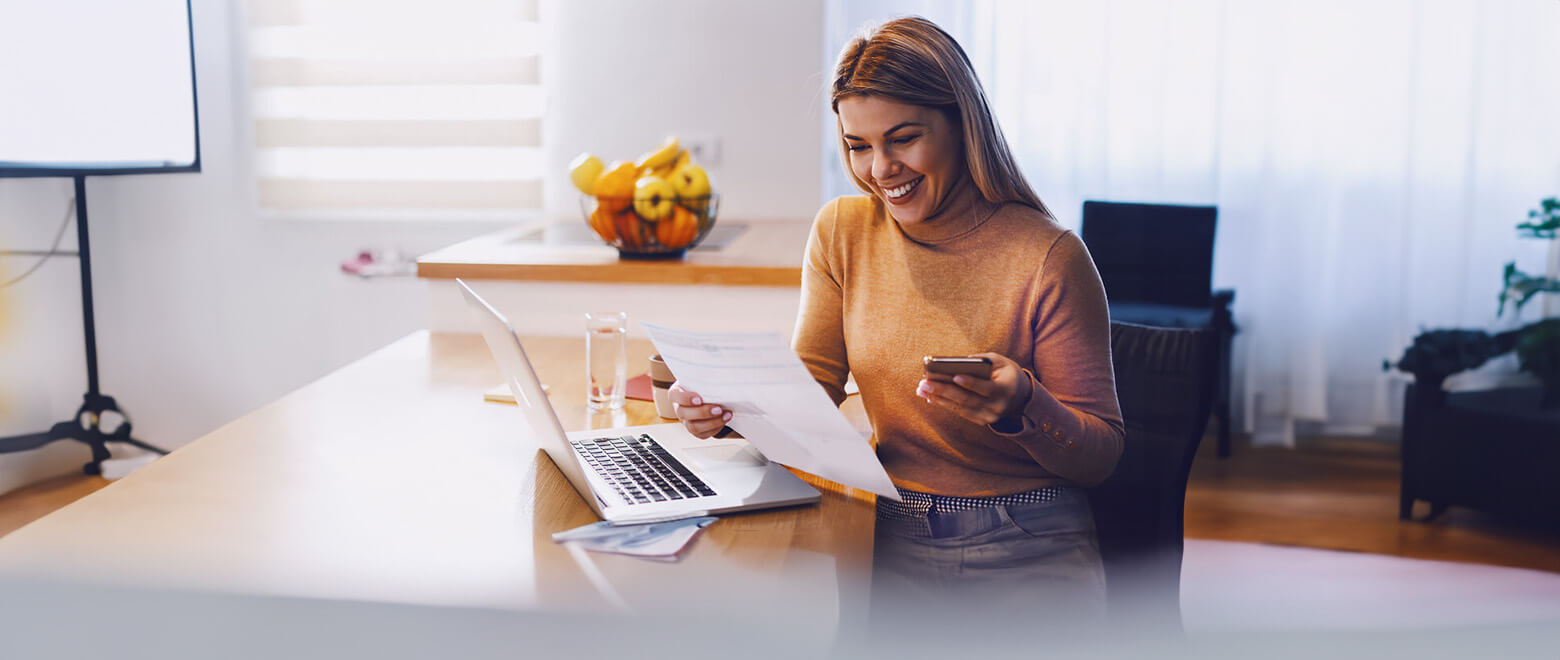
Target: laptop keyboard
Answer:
[[640, 469]]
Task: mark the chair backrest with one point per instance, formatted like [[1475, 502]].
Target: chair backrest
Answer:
[[1165, 382], [1152, 253]]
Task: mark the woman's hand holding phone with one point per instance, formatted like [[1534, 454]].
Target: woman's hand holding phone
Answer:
[[980, 400], [702, 419]]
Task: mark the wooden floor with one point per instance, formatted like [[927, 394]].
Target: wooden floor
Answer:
[[1334, 494], [1342, 494]]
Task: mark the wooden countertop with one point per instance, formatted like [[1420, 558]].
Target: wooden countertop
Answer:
[[765, 253], [392, 481]]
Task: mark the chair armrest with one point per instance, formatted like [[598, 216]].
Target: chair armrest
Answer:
[[1223, 318]]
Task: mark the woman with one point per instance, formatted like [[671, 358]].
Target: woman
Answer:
[[952, 253]]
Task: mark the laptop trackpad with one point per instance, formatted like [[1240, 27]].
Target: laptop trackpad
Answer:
[[727, 455]]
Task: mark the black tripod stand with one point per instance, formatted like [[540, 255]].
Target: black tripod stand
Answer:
[[86, 426]]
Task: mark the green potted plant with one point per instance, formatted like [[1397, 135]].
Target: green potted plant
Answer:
[[1543, 223], [1538, 350], [1436, 354]]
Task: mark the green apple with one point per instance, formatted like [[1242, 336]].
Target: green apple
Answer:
[[691, 182], [653, 198]]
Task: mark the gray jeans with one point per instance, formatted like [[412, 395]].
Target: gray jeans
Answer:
[[1002, 566]]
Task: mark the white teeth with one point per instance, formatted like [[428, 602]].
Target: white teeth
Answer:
[[902, 190]]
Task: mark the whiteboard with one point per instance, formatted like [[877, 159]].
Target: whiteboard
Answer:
[[96, 86]]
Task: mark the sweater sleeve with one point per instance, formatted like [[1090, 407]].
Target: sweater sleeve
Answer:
[[819, 339], [1072, 422]]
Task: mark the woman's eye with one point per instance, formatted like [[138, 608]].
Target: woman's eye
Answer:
[[856, 147], [906, 140]]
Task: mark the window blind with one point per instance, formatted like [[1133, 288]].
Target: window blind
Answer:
[[396, 106]]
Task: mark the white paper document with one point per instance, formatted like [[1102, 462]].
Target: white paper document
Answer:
[[774, 403]]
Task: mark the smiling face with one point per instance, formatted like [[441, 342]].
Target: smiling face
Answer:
[[910, 156]]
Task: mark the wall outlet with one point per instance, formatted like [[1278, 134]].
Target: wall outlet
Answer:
[[704, 149]]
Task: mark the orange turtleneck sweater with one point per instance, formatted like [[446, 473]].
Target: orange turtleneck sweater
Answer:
[[877, 295]]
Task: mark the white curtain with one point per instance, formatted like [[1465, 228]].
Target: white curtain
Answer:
[[1369, 159]]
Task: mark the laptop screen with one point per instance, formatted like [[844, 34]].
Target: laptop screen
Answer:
[[533, 402]]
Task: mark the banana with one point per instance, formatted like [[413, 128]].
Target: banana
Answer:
[[584, 171], [662, 172], [666, 170], [666, 155], [683, 156]]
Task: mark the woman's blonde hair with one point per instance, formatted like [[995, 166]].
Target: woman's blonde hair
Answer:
[[911, 60]]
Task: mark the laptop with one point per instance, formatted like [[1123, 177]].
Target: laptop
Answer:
[[639, 473]]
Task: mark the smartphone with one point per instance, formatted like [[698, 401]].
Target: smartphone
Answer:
[[979, 367]]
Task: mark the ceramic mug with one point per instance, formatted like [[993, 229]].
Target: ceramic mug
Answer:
[[661, 380]]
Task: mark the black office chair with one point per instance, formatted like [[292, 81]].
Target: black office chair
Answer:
[[1157, 264], [1165, 381]]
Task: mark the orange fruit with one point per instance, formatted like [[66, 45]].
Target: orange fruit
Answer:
[[615, 187], [701, 220], [602, 222], [628, 226], [679, 230]]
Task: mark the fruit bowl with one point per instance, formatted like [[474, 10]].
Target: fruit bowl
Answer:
[[655, 207], [650, 228]]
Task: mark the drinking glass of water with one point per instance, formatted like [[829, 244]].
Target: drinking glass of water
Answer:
[[606, 359]]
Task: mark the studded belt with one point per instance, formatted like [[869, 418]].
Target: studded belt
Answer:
[[918, 505]]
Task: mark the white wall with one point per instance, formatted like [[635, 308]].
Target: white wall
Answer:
[[627, 73], [206, 311], [42, 365]]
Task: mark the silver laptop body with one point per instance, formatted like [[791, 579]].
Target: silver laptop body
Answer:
[[638, 472]]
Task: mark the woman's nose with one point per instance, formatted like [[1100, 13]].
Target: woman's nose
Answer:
[[883, 167]]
